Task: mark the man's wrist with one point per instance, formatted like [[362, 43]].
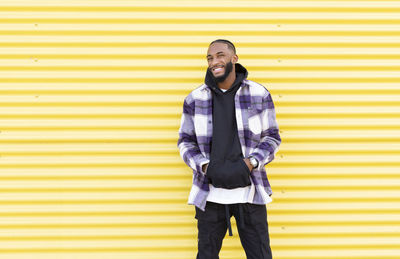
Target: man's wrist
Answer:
[[204, 168]]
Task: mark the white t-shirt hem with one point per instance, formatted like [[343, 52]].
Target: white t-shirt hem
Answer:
[[231, 196]]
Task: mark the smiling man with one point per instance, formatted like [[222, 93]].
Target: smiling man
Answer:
[[228, 134]]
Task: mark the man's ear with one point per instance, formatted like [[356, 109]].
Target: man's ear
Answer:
[[235, 59]]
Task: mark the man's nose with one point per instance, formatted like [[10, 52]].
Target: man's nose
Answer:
[[214, 62]]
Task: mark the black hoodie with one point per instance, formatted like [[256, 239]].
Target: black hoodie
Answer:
[[226, 168]]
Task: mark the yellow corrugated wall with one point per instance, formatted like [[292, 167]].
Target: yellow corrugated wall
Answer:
[[91, 97]]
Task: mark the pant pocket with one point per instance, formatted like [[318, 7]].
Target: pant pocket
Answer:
[[255, 214], [213, 212]]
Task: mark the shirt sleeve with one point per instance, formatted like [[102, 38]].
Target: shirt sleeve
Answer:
[[270, 138], [187, 142]]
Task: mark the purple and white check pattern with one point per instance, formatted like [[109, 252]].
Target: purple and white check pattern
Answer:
[[258, 134]]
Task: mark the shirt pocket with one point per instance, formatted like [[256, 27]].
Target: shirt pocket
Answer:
[[255, 118]]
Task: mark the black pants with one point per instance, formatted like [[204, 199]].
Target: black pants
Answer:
[[252, 226]]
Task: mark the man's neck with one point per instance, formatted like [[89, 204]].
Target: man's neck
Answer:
[[228, 82]]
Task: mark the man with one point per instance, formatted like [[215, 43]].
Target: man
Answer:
[[228, 133]]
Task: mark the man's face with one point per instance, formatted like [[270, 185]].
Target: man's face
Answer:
[[220, 60]]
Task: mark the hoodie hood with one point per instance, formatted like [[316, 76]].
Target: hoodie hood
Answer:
[[241, 74]]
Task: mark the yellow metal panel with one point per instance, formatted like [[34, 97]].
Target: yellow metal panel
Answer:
[[91, 97]]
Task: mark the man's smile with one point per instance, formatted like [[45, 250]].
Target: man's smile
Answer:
[[217, 69]]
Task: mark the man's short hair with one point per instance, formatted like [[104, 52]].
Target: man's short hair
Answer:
[[227, 42]]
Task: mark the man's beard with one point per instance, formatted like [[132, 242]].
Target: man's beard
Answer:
[[228, 70]]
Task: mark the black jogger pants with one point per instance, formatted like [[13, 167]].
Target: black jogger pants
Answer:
[[252, 226]]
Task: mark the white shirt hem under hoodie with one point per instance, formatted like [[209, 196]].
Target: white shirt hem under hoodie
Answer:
[[231, 196]]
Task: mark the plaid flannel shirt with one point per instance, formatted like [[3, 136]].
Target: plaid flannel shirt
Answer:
[[257, 129]]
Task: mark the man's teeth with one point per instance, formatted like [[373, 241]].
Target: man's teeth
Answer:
[[217, 69]]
